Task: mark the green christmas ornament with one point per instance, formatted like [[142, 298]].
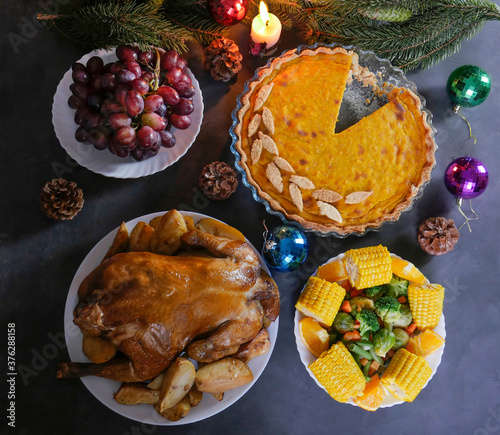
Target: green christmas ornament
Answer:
[[468, 86]]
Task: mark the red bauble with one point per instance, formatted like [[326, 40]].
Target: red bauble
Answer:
[[227, 12]]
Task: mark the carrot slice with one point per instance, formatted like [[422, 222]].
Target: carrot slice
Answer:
[[346, 307], [411, 328], [352, 336], [401, 299]]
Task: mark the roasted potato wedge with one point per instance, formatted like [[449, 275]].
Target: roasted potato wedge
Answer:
[[97, 349], [217, 228], [140, 237], [223, 375], [189, 223], [133, 394], [176, 412], [120, 242], [258, 346], [179, 378], [155, 222], [195, 396], [167, 237], [218, 396], [156, 383]]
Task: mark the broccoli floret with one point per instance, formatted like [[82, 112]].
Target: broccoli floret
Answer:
[[368, 321], [383, 340], [376, 291], [387, 308], [397, 287], [406, 317]]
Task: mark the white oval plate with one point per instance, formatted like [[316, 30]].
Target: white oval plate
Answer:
[[389, 400], [103, 162], [103, 389]]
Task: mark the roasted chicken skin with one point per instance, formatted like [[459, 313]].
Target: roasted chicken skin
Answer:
[[152, 307]]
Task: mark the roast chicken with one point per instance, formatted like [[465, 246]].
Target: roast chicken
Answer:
[[153, 307]]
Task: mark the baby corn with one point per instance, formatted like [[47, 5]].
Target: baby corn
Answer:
[[406, 375], [368, 267], [321, 300], [426, 304], [337, 371]]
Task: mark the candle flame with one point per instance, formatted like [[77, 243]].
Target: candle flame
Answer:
[[263, 13]]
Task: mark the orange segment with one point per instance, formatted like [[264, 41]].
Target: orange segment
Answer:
[[405, 269], [333, 271], [373, 396], [425, 343], [313, 335]]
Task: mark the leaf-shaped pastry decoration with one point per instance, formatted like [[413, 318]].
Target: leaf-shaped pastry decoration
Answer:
[[256, 151], [357, 197], [329, 211], [268, 120], [302, 182], [296, 196], [254, 125], [326, 195], [268, 143], [274, 176], [283, 164], [262, 96]]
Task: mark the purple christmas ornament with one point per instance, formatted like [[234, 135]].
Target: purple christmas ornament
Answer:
[[466, 178]]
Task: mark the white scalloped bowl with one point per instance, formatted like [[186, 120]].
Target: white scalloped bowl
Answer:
[[103, 162], [389, 400]]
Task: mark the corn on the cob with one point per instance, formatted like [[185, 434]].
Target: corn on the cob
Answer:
[[337, 371], [367, 267], [321, 300], [406, 375], [426, 304]]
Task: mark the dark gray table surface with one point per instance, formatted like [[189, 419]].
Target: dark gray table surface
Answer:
[[39, 257]]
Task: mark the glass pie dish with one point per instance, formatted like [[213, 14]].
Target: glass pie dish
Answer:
[[362, 97]]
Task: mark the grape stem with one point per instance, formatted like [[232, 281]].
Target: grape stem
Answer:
[[156, 80]]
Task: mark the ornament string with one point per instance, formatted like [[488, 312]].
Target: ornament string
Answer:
[[268, 244], [467, 218], [456, 109]]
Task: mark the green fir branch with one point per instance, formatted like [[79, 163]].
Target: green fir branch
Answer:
[[194, 18], [105, 25], [410, 33], [434, 32]]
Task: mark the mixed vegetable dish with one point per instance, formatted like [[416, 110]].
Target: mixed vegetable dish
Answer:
[[370, 320]]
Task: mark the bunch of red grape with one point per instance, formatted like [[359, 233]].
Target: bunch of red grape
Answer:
[[130, 106]]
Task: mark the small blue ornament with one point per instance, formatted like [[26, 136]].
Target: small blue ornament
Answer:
[[285, 248]]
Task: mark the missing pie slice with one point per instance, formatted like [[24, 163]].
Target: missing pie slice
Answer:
[[347, 181]]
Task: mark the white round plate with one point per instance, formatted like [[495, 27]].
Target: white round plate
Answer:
[[103, 389], [103, 162], [389, 400]]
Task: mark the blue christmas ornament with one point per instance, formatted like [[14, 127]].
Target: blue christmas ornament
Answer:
[[285, 248]]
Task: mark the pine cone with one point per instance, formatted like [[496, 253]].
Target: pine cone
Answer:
[[437, 235], [218, 181], [61, 199], [223, 59]]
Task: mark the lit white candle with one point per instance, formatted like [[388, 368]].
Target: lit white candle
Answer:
[[266, 28]]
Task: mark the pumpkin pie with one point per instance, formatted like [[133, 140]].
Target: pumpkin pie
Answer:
[[327, 181]]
